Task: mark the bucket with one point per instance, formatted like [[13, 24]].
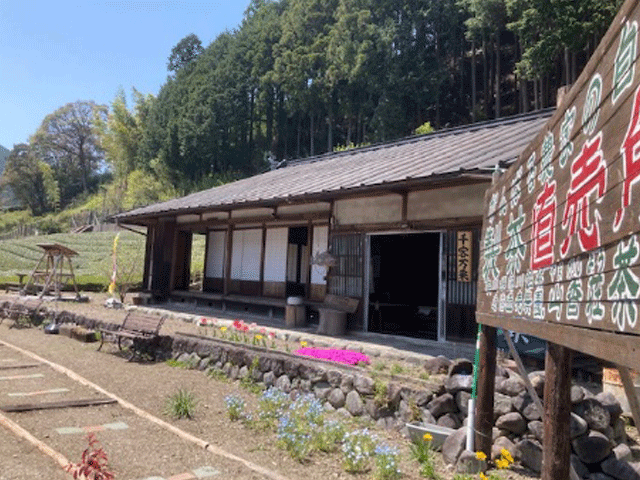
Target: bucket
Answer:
[[612, 383]]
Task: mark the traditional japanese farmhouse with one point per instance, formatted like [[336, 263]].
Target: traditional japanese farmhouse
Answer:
[[395, 226]]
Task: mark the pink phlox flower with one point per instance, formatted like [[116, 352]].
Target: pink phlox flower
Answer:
[[335, 355]]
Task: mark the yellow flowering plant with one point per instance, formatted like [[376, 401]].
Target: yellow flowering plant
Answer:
[[505, 459], [423, 452]]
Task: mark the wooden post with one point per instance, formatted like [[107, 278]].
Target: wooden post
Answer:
[[486, 387], [556, 450], [227, 258], [630, 391]]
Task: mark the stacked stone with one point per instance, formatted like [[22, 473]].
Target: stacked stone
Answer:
[[600, 449]]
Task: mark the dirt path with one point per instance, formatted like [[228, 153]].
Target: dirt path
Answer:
[[143, 450], [137, 448]]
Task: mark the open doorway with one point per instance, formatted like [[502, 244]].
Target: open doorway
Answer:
[[404, 284], [297, 261]]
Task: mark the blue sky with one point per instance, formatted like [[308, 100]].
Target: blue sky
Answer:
[[56, 52]]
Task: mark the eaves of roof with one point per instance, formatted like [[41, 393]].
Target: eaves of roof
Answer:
[[447, 156]]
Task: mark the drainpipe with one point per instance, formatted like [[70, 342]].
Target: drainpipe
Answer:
[[471, 418]]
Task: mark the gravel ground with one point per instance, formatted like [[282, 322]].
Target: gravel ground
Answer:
[[143, 449]]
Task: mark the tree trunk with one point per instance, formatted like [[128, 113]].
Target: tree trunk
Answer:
[[311, 146], [269, 115], [437, 52], [282, 128], [330, 125], [497, 69], [473, 81], [252, 105], [485, 78], [299, 135], [567, 67]]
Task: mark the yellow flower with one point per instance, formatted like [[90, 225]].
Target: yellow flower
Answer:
[[506, 455], [483, 476], [502, 464], [481, 455], [258, 337], [427, 437], [223, 329], [303, 344]]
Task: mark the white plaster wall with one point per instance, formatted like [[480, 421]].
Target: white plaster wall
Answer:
[[355, 211], [215, 254], [275, 256], [452, 202]]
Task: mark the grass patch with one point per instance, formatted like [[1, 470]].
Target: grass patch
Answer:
[[181, 404]]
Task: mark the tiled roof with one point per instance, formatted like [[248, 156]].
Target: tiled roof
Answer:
[[474, 148]]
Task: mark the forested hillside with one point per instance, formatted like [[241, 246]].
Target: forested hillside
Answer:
[[303, 77], [300, 77]]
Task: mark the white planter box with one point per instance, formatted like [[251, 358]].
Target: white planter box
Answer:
[[439, 434]]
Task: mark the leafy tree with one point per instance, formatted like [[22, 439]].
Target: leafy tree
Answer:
[[121, 134], [557, 28], [67, 141], [185, 52], [31, 180]]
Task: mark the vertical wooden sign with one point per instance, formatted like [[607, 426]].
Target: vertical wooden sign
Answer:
[[464, 254]]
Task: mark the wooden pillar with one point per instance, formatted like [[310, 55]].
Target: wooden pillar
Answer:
[[263, 253], [148, 257], [556, 450], [485, 390], [227, 259]]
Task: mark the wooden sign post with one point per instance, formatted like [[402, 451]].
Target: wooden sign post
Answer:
[[560, 247]]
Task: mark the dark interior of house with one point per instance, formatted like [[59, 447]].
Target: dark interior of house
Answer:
[[404, 289]]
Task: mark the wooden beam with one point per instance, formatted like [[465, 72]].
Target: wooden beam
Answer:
[[556, 450], [486, 387], [26, 365], [618, 348], [227, 259], [632, 397], [27, 407], [263, 248]]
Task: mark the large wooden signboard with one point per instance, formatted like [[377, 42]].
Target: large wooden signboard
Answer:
[[560, 245]]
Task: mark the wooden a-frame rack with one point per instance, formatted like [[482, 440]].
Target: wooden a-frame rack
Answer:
[[49, 274]]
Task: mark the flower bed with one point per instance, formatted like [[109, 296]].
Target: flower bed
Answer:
[[334, 355]]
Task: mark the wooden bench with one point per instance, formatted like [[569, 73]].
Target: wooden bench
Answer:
[[333, 314], [142, 329], [23, 311]]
